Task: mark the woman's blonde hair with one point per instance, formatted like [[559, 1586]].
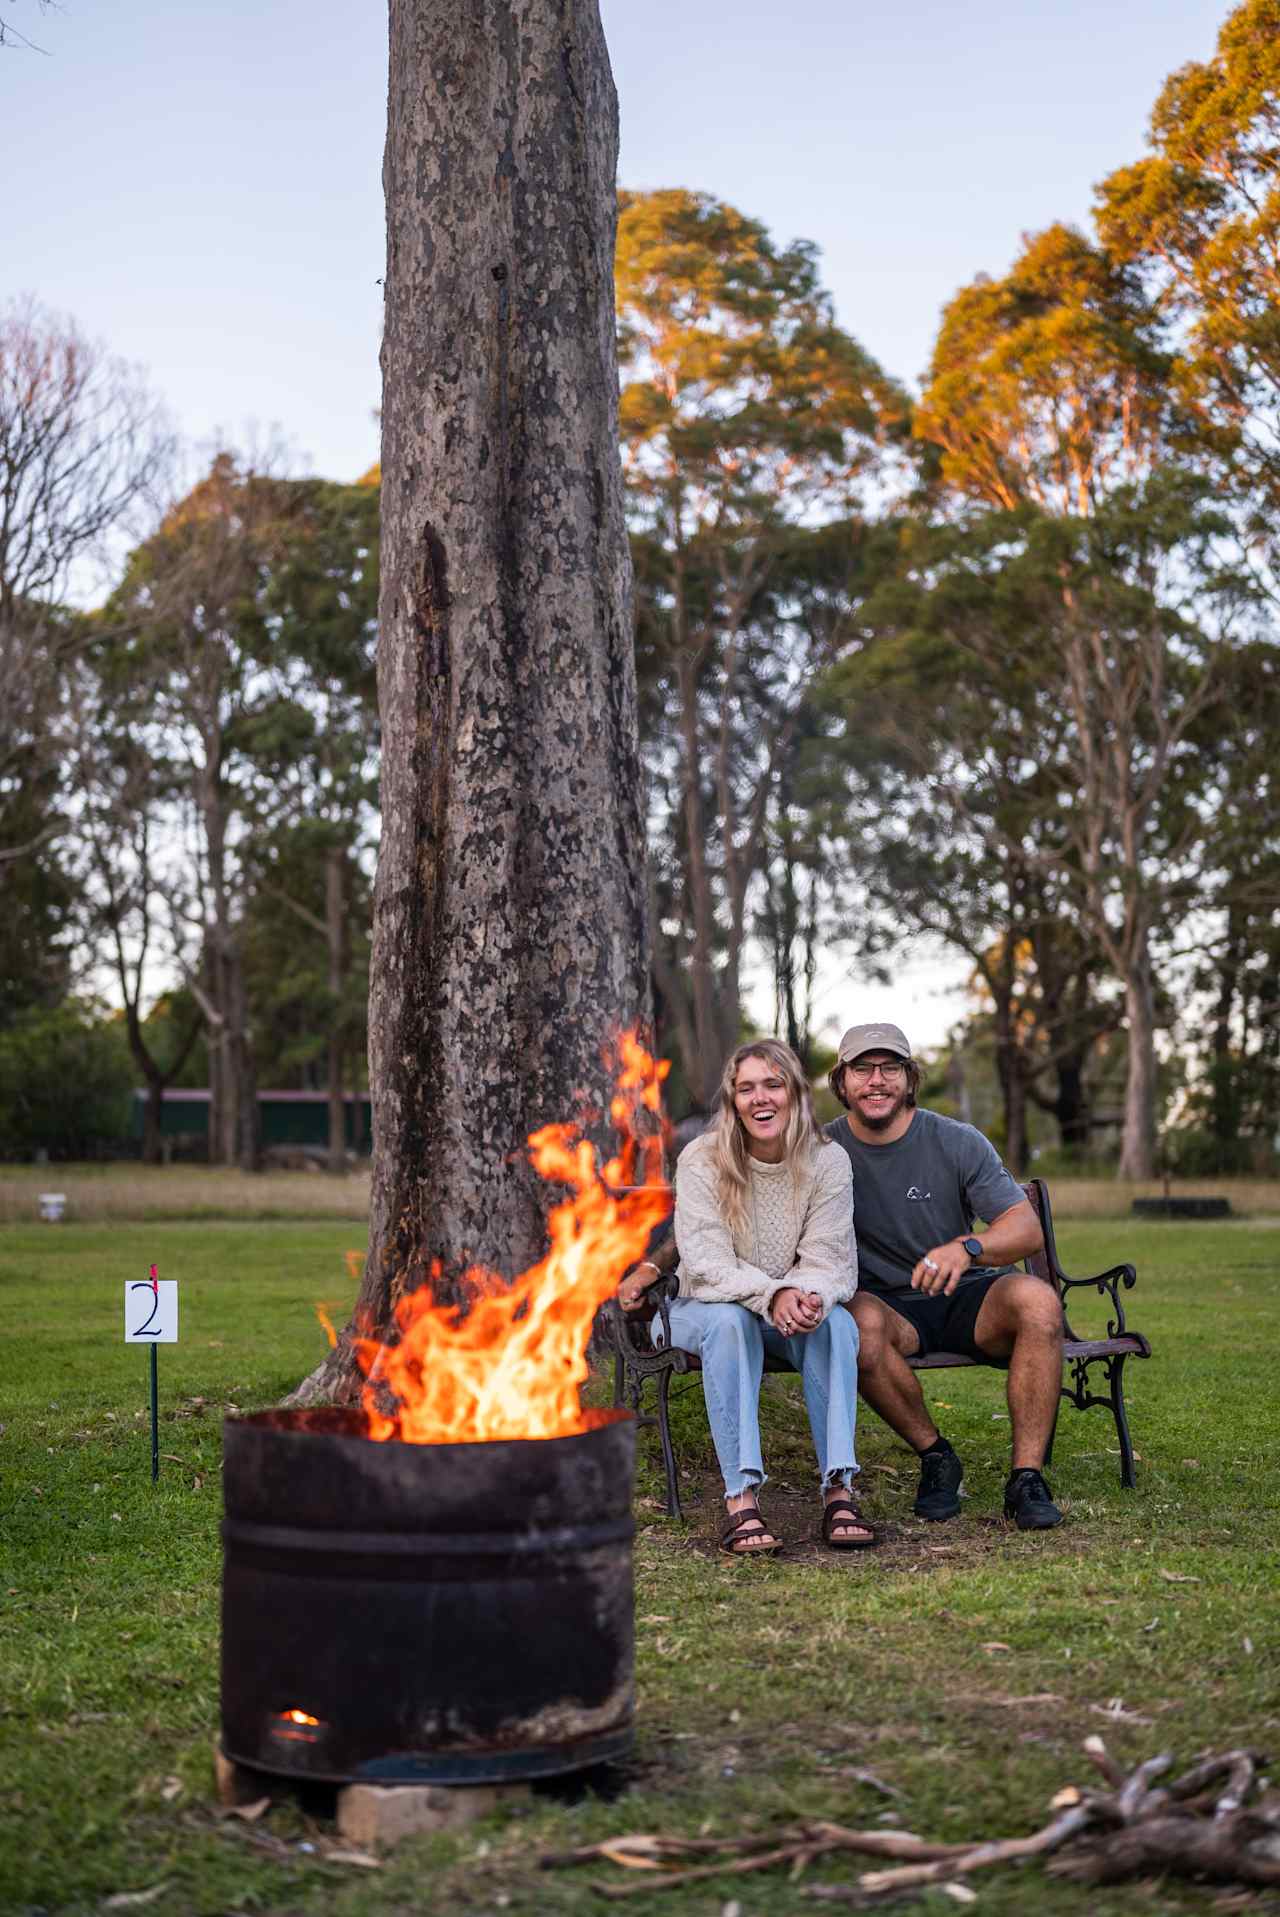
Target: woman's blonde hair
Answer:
[[728, 1134]]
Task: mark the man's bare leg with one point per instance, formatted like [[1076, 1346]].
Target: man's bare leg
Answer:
[[885, 1380], [1021, 1320], [889, 1385]]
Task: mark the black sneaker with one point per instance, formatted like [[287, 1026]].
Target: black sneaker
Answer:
[[938, 1494], [1029, 1502]]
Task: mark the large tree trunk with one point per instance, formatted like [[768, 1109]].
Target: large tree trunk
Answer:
[[246, 1139], [509, 936], [220, 1091], [1137, 1143], [702, 1070], [156, 1081], [1013, 1085], [1224, 1080], [335, 918], [1072, 1104]]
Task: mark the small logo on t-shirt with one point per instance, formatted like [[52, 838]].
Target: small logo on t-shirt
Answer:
[[915, 1192]]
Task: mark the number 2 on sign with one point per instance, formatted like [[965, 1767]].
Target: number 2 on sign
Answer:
[[151, 1311]]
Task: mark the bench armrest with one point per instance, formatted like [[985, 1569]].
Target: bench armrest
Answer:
[[1126, 1273], [660, 1293], [625, 1325], [1107, 1283]]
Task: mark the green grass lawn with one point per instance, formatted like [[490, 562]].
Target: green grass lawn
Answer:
[[1150, 1616]]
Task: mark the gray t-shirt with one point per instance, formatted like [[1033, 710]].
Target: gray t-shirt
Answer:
[[920, 1191]]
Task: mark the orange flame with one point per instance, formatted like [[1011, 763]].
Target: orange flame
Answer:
[[513, 1364], [329, 1331]]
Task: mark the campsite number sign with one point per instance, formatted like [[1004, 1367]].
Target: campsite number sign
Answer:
[[151, 1318], [151, 1311]]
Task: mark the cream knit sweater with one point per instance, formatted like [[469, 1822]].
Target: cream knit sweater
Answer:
[[798, 1231]]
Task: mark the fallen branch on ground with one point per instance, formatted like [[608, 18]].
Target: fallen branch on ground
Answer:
[[797, 1846], [1201, 1825]]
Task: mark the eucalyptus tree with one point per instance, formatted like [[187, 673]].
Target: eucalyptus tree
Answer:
[[509, 940], [314, 779], [750, 421], [185, 660], [132, 863], [1051, 388], [230, 704], [1197, 220], [40, 895], [1238, 977], [83, 452], [942, 775]]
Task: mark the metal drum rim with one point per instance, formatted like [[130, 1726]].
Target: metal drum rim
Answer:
[[461, 1768], [291, 1424]]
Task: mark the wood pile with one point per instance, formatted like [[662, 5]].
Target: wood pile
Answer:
[[1216, 1821]]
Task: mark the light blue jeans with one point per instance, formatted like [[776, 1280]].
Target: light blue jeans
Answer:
[[731, 1342]]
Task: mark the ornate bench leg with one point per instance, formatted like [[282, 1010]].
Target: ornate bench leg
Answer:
[[1115, 1375], [668, 1455]]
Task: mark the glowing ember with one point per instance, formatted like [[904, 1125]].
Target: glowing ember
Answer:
[[511, 1365], [296, 1727]]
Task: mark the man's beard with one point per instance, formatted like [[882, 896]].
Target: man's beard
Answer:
[[881, 1121]]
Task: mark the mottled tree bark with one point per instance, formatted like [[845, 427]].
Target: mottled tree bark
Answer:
[[335, 925], [510, 938]]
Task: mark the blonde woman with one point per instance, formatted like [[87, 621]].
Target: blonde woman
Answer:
[[764, 1233]]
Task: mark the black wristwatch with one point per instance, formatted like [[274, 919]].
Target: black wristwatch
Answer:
[[974, 1248]]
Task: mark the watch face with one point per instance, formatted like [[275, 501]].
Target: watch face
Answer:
[[973, 1246]]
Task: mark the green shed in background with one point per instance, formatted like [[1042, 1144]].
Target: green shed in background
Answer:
[[288, 1118]]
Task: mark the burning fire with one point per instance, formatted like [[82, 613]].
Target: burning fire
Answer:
[[512, 1364]]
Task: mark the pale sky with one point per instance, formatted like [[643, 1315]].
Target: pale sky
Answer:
[[200, 185]]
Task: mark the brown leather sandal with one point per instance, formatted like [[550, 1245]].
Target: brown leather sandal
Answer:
[[748, 1523], [845, 1511]]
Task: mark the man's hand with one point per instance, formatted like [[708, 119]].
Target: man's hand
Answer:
[[631, 1292], [941, 1269], [795, 1311]]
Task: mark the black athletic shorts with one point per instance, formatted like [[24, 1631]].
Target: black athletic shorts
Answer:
[[944, 1323]]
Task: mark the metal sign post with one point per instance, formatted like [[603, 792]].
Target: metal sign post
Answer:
[[152, 1319]]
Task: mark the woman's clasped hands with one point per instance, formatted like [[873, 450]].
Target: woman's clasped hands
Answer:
[[794, 1311]]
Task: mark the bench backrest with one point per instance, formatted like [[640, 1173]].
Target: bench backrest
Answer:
[[1043, 1264]]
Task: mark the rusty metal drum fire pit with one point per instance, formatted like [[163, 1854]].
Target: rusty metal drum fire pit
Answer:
[[425, 1613]]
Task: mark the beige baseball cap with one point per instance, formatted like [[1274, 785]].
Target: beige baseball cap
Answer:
[[872, 1038]]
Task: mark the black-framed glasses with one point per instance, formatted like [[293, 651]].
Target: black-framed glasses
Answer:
[[890, 1071]]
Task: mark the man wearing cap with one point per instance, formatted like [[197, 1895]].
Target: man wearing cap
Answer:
[[928, 1283]]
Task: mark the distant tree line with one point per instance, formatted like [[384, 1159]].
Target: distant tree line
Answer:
[[995, 668]]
